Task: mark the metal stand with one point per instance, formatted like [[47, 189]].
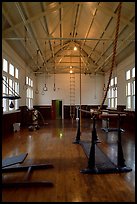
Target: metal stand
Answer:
[[121, 161], [77, 139], [107, 166], [91, 161], [108, 129]]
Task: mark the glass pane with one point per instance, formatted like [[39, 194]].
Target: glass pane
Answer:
[[10, 86], [5, 65], [30, 103], [5, 89], [27, 80], [112, 103], [5, 78], [128, 89], [133, 72], [112, 82], [115, 93], [4, 104], [112, 92], [26, 101], [133, 88], [32, 94], [16, 104], [115, 102], [115, 80], [109, 93], [31, 83], [109, 103], [133, 102], [27, 93], [128, 75], [17, 87], [16, 73], [129, 102], [11, 70]]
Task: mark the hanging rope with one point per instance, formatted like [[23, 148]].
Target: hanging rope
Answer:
[[14, 95], [114, 54]]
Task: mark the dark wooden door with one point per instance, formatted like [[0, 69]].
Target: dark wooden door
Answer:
[[56, 109]]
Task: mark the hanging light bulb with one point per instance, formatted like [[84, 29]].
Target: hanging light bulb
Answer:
[[45, 88], [11, 105], [71, 71], [75, 48], [36, 91]]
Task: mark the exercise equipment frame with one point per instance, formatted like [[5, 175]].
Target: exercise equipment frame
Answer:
[[92, 168], [9, 165]]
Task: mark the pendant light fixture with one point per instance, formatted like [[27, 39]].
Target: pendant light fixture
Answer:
[[36, 91], [45, 88], [54, 88]]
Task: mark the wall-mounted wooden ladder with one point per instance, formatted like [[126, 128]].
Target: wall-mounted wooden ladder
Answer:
[[72, 95]]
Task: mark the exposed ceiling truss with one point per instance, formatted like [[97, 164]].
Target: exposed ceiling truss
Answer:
[[44, 34]]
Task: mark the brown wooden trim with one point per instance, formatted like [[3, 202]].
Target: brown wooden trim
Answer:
[[8, 120], [45, 111]]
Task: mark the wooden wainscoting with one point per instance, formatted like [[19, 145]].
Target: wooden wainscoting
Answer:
[[8, 120]]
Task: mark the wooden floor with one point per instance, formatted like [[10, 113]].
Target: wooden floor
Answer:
[[53, 144]]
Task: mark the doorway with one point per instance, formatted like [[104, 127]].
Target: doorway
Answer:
[[56, 109]]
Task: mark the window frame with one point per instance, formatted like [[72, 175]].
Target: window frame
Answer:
[[15, 80], [130, 89], [29, 92], [112, 93]]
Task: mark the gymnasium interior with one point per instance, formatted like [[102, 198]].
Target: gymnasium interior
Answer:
[[68, 101]]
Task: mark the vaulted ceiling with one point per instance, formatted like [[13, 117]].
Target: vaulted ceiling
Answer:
[[44, 34]]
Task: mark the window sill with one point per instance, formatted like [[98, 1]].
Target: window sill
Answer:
[[111, 109], [129, 110], [10, 112]]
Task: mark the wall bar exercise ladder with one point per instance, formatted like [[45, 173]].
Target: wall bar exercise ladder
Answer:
[[72, 95]]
